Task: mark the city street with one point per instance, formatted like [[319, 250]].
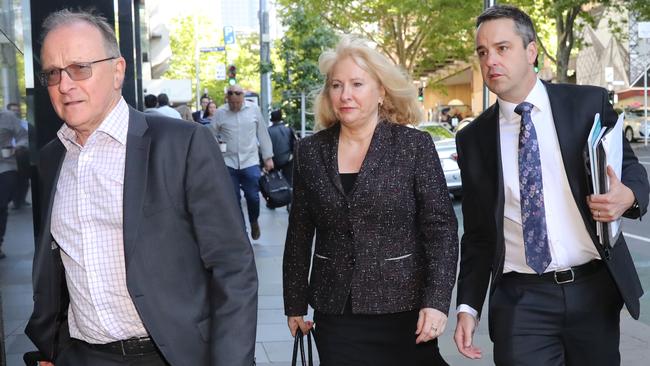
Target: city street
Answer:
[[273, 339]]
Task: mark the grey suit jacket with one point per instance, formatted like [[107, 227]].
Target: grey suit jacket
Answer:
[[189, 265], [391, 244]]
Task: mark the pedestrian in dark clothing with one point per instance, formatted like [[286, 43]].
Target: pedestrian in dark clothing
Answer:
[[282, 138]]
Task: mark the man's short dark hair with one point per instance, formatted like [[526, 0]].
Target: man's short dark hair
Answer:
[[523, 24], [150, 101], [163, 99], [276, 115]]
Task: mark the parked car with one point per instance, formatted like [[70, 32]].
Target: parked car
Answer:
[[446, 147], [634, 126]]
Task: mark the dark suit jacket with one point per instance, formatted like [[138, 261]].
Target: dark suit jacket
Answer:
[[196, 116], [189, 265], [391, 244], [479, 156]]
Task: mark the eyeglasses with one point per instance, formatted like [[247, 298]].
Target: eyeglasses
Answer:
[[231, 92], [77, 71]]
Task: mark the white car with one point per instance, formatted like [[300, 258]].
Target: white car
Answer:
[[634, 125], [446, 147]]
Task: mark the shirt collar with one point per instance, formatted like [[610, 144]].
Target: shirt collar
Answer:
[[536, 97], [115, 125]]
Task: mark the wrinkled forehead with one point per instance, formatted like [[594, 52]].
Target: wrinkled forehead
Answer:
[[235, 89], [71, 42]]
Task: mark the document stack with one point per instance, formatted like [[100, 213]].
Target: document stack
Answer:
[[605, 147]]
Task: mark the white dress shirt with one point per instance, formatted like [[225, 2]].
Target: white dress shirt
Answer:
[[87, 217], [568, 239], [168, 111]]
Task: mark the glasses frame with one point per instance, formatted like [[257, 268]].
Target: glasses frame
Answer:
[[232, 92], [44, 79]]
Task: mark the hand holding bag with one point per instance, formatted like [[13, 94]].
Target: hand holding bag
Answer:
[[299, 343]]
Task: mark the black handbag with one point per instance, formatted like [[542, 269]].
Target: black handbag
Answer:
[[299, 344], [275, 188]]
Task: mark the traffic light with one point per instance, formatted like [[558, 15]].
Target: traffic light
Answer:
[[421, 94], [232, 75]]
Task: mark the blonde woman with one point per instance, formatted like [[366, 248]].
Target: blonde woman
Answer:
[[373, 193]]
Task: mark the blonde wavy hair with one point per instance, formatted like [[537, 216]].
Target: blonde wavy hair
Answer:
[[400, 103]]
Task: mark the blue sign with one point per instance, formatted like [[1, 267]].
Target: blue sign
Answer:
[[228, 35]]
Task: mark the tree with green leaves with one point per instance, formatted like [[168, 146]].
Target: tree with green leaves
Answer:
[[306, 37], [568, 18], [420, 36]]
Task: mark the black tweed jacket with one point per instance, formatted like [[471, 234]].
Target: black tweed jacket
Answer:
[[391, 244]]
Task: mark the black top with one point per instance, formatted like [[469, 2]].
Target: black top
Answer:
[[347, 181]]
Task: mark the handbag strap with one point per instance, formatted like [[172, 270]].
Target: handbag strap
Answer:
[[299, 345]]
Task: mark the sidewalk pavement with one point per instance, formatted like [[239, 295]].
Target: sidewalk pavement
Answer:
[[274, 343]]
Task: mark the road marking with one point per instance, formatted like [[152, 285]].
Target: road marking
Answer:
[[637, 237]]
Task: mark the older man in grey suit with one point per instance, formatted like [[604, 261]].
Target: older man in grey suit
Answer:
[[143, 258]]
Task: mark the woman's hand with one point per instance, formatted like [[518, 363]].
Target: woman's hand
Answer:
[[297, 321], [431, 324]]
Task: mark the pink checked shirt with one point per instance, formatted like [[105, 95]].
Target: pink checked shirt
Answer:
[[87, 221]]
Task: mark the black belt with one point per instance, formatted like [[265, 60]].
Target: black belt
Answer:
[[559, 277], [131, 346]]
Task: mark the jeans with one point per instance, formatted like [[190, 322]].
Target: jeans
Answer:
[[247, 180], [7, 183]]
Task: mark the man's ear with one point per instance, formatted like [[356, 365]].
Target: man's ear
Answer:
[[118, 75], [531, 52]]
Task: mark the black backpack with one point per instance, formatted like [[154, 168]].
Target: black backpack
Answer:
[[275, 188]]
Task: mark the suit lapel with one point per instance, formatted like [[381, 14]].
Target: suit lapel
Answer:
[[55, 161], [492, 147], [135, 178], [329, 153], [374, 156], [568, 128]]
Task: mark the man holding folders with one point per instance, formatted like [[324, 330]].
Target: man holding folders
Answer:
[[555, 294]]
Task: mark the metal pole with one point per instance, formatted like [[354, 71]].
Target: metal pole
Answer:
[[196, 58], [303, 120], [486, 91], [265, 60], [645, 105]]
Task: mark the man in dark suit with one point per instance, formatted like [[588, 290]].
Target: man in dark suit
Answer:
[[143, 258], [199, 115], [530, 218]]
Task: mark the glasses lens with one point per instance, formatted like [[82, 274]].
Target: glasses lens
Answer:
[[230, 92], [79, 72]]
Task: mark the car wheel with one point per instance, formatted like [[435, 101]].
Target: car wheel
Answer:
[[629, 134]]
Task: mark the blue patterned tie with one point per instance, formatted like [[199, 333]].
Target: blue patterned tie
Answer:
[[531, 191]]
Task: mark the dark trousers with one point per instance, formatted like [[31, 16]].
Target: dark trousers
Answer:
[[287, 171], [372, 340], [547, 324], [247, 180], [7, 184], [79, 353], [22, 178]]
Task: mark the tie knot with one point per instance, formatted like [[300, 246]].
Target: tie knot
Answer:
[[523, 107]]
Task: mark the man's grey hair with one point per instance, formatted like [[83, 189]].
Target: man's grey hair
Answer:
[[66, 17]]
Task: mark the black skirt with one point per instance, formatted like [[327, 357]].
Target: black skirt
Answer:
[[373, 340]]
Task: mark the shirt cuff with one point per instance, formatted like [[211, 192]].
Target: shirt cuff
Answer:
[[464, 308]]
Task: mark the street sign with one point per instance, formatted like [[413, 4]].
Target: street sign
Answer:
[[228, 35], [213, 49], [221, 72], [644, 29]]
